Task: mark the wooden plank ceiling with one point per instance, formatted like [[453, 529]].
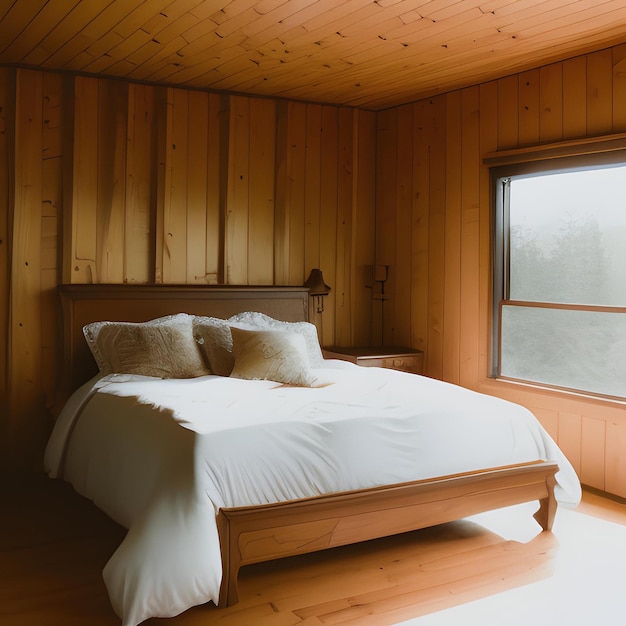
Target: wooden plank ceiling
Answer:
[[372, 54]]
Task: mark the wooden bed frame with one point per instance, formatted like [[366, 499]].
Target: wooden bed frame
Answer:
[[261, 533]]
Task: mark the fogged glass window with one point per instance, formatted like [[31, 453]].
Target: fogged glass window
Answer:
[[561, 279], [568, 237]]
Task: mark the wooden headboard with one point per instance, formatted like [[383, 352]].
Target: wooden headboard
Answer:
[[82, 304]]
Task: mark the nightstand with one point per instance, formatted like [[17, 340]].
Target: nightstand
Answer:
[[391, 357]]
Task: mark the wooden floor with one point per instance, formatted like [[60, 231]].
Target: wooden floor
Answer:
[[54, 545]]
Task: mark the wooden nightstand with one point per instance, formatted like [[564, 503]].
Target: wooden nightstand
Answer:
[[392, 357]]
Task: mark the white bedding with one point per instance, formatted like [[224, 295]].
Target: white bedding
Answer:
[[162, 456]]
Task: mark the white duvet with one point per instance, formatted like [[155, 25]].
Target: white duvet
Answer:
[[162, 456]]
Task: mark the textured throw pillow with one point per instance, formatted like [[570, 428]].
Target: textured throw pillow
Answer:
[[163, 347], [271, 355], [254, 319], [216, 344]]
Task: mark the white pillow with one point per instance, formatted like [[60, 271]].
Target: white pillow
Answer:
[[163, 347], [271, 355], [253, 319]]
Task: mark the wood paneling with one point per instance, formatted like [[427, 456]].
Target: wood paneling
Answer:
[[121, 182], [571, 99], [139, 183]]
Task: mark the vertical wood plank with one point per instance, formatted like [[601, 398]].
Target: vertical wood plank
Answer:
[[85, 182], [328, 217], [53, 116], [508, 112], [593, 452], [364, 216], [488, 143], [343, 310], [296, 141], [569, 437], [261, 192], [529, 107], [470, 237], [599, 92], [575, 97], [438, 199], [420, 224], [217, 114], [399, 287], [7, 140], [67, 216], [52, 207], [386, 189], [549, 419], [111, 184], [140, 185], [615, 480], [163, 133], [551, 103], [312, 201], [7, 111], [619, 88], [197, 186], [281, 211], [25, 396], [237, 205], [452, 267], [174, 240]]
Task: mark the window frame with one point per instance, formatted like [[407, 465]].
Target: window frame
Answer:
[[563, 157]]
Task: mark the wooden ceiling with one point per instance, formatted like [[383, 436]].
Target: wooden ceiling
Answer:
[[372, 54]]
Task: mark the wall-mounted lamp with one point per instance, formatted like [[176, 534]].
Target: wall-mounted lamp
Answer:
[[317, 288], [381, 276]]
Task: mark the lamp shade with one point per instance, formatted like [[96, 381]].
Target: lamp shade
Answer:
[[315, 283]]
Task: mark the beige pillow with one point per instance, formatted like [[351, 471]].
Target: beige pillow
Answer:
[[271, 355], [213, 336], [254, 319], [163, 347]]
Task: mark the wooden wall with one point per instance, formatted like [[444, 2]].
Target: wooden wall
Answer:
[[433, 228], [110, 181], [107, 181]]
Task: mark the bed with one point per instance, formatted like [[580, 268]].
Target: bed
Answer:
[[190, 529]]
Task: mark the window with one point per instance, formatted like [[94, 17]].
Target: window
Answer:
[[560, 273]]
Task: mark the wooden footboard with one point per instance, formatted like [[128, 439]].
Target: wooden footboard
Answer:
[[262, 533]]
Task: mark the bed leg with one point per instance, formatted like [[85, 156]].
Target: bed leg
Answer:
[[228, 589], [547, 506], [230, 563]]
